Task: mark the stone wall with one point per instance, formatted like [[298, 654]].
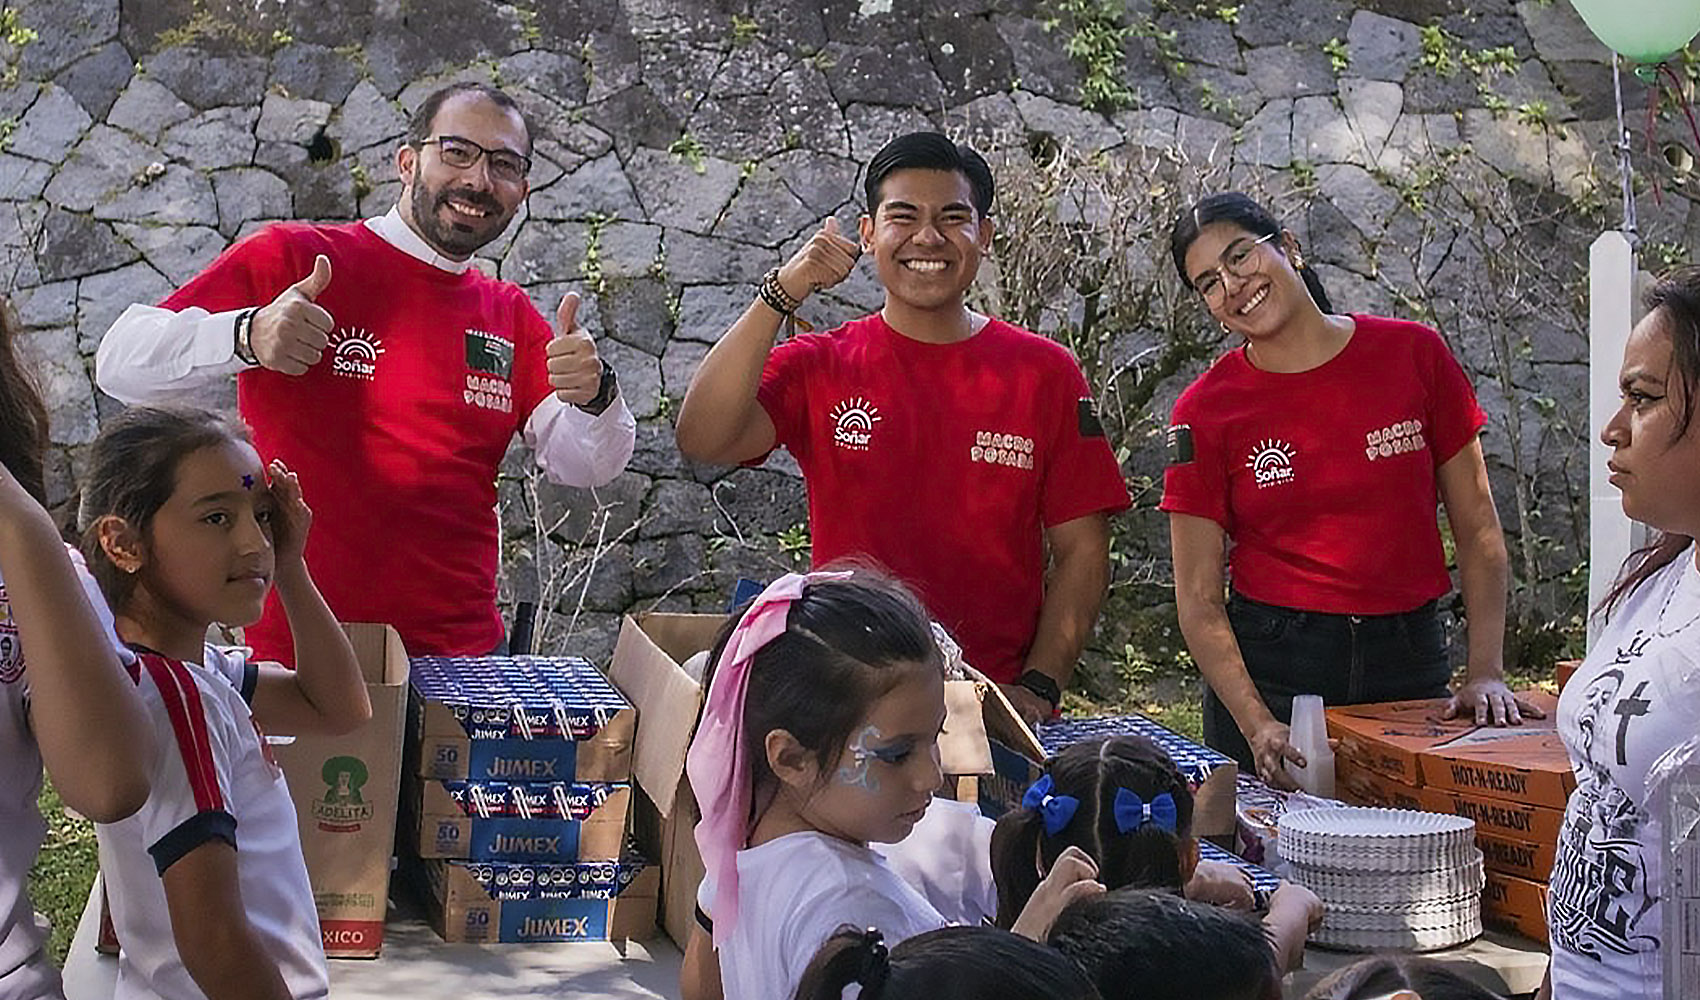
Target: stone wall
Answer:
[[684, 147]]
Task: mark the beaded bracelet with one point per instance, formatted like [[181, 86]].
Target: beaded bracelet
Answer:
[[775, 295]]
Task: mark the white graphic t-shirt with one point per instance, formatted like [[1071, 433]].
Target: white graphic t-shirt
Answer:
[[1636, 696]]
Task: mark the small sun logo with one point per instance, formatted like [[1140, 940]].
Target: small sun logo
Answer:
[[355, 354], [1271, 462], [853, 423]]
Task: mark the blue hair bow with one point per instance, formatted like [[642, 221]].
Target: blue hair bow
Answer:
[[1054, 811], [1132, 812]]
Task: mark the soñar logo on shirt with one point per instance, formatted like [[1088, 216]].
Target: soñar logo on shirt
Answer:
[[354, 354], [853, 423], [1271, 463]]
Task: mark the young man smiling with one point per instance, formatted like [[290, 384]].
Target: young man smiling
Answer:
[[373, 359], [960, 452]]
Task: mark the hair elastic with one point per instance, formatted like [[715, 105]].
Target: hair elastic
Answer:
[[718, 769]]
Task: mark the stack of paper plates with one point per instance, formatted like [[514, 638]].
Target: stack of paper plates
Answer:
[[1389, 878]]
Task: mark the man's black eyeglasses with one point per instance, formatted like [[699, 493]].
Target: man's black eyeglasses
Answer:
[[461, 153]]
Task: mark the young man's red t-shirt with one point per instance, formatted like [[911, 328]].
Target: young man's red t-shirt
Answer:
[[396, 433], [1325, 480], [945, 463]]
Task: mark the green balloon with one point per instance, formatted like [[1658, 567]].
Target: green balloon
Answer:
[[1647, 31]]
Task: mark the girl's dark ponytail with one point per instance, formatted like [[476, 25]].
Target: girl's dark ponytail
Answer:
[[1015, 862], [849, 956], [1313, 285]]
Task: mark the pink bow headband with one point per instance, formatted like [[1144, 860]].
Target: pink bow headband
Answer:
[[718, 768]]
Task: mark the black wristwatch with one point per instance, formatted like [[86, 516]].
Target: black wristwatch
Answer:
[[1043, 685], [606, 389]]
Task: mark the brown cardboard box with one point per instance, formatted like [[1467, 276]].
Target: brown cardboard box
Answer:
[[1363, 787], [1563, 670], [1505, 817], [1517, 903], [439, 827], [1387, 737], [1517, 857], [1527, 765], [462, 909], [345, 790], [646, 669]]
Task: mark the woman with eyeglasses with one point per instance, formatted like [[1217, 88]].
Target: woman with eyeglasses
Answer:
[[1306, 464]]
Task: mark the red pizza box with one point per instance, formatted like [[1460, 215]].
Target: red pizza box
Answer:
[[1387, 737], [1511, 856], [1526, 764], [1517, 820], [1363, 787], [1517, 903]]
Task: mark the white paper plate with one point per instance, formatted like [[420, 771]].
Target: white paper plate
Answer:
[[1405, 940], [1369, 825], [1391, 888]]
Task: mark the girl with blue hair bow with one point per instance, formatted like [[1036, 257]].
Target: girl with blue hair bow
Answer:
[[1125, 804]]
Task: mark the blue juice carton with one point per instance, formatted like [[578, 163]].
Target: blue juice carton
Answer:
[[550, 719], [518, 902], [556, 822]]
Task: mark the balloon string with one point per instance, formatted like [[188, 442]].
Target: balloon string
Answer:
[[1625, 164], [1653, 97]]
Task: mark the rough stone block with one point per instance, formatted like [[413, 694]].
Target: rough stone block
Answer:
[[98, 78], [65, 31], [21, 179], [366, 118], [674, 507], [985, 122], [1290, 71], [102, 297], [1205, 40], [147, 108], [313, 72], [247, 193], [599, 187], [969, 55], [693, 259], [291, 119], [72, 245], [178, 252], [1381, 47], [899, 74], [664, 565], [707, 311], [1371, 108], [679, 365], [871, 126], [53, 304], [753, 502], [321, 190], [66, 388], [636, 313], [766, 212], [1559, 33], [1268, 138], [206, 79], [1041, 66], [51, 127], [639, 374], [546, 251], [629, 249], [1281, 22], [674, 192], [1085, 131], [102, 166], [222, 137]]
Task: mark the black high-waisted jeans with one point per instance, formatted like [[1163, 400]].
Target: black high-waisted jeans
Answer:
[[1347, 659]]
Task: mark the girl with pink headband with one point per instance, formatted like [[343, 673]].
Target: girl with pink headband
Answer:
[[820, 736]]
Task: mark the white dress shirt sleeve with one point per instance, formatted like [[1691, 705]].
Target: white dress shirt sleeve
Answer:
[[154, 355], [576, 448]]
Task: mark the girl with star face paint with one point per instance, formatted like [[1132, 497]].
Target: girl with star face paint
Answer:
[[819, 737]]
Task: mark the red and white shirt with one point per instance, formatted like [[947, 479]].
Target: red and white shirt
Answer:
[[1325, 480], [397, 432], [26, 973], [945, 463], [214, 779]]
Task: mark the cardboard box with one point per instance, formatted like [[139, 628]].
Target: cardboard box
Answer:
[[501, 821], [1504, 817], [1563, 670], [345, 790], [1387, 737], [518, 903], [1363, 787], [1517, 903], [646, 668], [1212, 775], [1521, 764], [524, 718], [1522, 858]]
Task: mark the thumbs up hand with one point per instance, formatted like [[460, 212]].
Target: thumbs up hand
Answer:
[[575, 372], [290, 334], [824, 261]]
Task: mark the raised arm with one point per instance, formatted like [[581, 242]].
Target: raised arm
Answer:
[[582, 434], [94, 737], [1484, 577], [153, 355], [720, 421], [1199, 548], [325, 693]]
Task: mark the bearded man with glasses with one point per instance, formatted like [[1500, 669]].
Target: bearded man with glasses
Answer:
[[392, 375]]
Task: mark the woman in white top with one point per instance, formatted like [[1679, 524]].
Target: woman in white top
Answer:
[[1637, 694]]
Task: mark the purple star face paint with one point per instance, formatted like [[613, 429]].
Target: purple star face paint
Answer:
[[247, 481]]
